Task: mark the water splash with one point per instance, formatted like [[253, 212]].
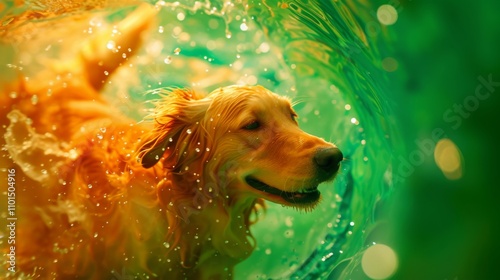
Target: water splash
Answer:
[[39, 156]]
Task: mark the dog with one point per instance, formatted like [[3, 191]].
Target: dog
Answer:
[[101, 196]]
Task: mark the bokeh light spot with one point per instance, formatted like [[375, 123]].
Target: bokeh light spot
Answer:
[[387, 14], [448, 158], [390, 64], [379, 262]]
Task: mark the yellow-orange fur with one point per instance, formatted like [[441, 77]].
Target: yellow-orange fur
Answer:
[[89, 208]]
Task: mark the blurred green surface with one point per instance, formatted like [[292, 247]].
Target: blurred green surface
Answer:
[[448, 229]]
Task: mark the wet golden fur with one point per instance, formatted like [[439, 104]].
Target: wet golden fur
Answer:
[[100, 195]]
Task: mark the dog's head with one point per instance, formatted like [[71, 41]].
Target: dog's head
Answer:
[[240, 140]]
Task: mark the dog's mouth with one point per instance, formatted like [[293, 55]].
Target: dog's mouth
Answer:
[[303, 196]]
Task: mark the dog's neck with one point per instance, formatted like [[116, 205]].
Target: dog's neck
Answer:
[[218, 229]]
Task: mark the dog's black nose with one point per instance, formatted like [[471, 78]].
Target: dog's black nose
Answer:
[[328, 159]]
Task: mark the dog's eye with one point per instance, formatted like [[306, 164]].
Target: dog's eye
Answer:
[[294, 116], [252, 126]]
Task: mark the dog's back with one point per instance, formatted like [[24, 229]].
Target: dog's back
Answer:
[[73, 159]]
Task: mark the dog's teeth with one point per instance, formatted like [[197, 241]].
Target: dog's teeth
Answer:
[[305, 190], [308, 190]]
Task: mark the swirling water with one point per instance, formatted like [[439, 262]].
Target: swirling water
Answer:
[[320, 53], [336, 64]]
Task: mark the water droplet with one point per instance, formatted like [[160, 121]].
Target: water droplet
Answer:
[[111, 45], [170, 139], [168, 60], [208, 149], [264, 48], [177, 51], [34, 99], [106, 73], [160, 29], [188, 131], [13, 94], [14, 118], [103, 129], [181, 16], [244, 26], [228, 35], [197, 150], [89, 186], [166, 244], [72, 153]]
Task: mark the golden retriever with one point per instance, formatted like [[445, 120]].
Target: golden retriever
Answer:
[[99, 195]]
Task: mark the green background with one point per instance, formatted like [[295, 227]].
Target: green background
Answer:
[[448, 229]]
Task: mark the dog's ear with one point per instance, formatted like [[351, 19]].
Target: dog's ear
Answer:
[[152, 155], [178, 129]]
